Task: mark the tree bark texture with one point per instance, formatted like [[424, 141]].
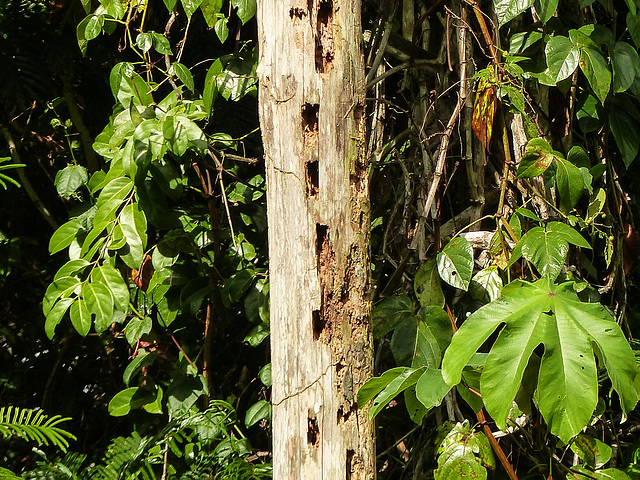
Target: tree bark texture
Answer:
[[312, 114]]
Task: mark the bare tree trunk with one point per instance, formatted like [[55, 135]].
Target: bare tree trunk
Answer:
[[312, 113]]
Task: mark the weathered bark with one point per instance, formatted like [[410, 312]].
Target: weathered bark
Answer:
[[312, 106]]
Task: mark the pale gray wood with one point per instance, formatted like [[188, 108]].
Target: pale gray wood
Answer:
[[312, 103]]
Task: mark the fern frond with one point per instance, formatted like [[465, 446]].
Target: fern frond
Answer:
[[35, 426]]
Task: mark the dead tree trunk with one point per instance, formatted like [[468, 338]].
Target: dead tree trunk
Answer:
[[312, 107]]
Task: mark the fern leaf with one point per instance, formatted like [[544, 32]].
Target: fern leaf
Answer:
[[34, 426]]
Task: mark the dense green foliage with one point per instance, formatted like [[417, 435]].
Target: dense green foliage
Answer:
[[503, 141]]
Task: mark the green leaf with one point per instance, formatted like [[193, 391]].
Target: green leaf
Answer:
[[80, 317], [596, 69], [507, 10], [210, 10], [70, 178], [261, 410], [486, 285], [415, 408], [265, 375], [547, 247], [591, 451], [93, 27], [184, 74], [143, 359], [582, 473], [246, 9], [64, 235], [537, 157], [112, 279], [626, 133], [427, 286], [463, 454], [160, 43], [257, 334], [546, 9], [184, 392], [100, 303], [120, 404], [633, 24], [136, 328], [563, 57], [572, 332], [190, 6], [386, 387], [570, 184], [55, 315], [390, 313], [144, 42], [625, 63], [134, 227], [455, 263], [60, 287], [221, 28], [431, 388]]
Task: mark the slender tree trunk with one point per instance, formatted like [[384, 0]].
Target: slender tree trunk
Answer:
[[312, 107]]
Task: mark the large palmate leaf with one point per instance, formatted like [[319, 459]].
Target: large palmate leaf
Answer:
[[572, 333]]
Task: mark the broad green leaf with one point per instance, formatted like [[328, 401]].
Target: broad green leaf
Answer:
[[427, 286], [221, 28], [60, 287], [596, 69], [99, 301], [160, 43], [265, 375], [134, 227], [64, 235], [184, 392], [507, 10], [136, 328], [463, 454], [71, 268], [210, 91], [581, 473], [80, 317], [537, 157], [210, 10], [563, 57], [633, 24], [93, 27], [420, 340], [570, 184], [486, 285], [572, 333], [143, 359], [390, 313], [190, 6], [626, 133], [54, 317], [591, 451], [184, 74], [70, 178], [625, 63], [385, 387], [120, 404], [546, 9], [455, 263], [154, 404], [261, 410], [246, 9], [547, 247], [144, 42], [431, 388], [116, 190], [596, 204], [112, 279], [415, 408]]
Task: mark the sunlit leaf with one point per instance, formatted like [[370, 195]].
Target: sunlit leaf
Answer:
[[455, 263]]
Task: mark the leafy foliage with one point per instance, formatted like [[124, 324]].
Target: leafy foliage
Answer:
[[34, 426]]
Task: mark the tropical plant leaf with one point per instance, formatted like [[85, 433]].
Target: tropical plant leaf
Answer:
[[34, 426], [507, 10], [547, 247], [463, 454], [570, 183], [455, 263], [427, 285], [572, 333]]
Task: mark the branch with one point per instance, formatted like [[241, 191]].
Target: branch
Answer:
[[28, 187]]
